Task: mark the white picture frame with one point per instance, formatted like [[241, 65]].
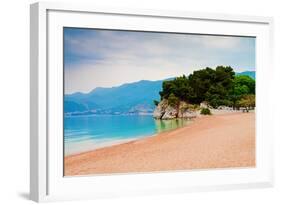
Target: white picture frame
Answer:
[[46, 180]]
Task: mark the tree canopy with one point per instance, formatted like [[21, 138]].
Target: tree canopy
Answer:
[[217, 86]]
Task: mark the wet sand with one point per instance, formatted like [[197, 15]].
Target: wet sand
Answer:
[[218, 141]]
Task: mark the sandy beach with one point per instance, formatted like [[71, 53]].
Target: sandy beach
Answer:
[[218, 141]]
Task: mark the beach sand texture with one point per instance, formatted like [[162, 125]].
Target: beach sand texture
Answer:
[[218, 141]]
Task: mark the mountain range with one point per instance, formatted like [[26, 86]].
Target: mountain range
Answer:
[[134, 97], [129, 98]]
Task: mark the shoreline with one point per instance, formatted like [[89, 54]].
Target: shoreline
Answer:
[[217, 141], [111, 144]]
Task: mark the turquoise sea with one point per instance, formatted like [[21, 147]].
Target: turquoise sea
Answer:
[[84, 133]]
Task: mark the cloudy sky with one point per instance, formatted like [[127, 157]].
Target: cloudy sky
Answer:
[[103, 58]]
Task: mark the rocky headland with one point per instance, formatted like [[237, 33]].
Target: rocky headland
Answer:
[[164, 111]]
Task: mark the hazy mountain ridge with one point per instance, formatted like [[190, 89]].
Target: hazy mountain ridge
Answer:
[[134, 97], [251, 74], [129, 98]]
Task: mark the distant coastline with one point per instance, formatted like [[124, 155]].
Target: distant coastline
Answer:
[[90, 113]]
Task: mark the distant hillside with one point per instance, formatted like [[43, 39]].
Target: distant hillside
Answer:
[[251, 74], [128, 98]]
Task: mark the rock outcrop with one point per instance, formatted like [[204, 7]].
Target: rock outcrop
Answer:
[[164, 111], [204, 105]]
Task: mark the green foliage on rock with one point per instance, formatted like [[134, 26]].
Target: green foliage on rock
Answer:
[[173, 100], [205, 111], [217, 86]]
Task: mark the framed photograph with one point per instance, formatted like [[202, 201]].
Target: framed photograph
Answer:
[[129, 102]]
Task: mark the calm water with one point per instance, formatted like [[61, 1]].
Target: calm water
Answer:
[[83, 133]]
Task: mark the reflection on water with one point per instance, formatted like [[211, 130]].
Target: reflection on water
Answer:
[[165, 125], [83, 133]]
